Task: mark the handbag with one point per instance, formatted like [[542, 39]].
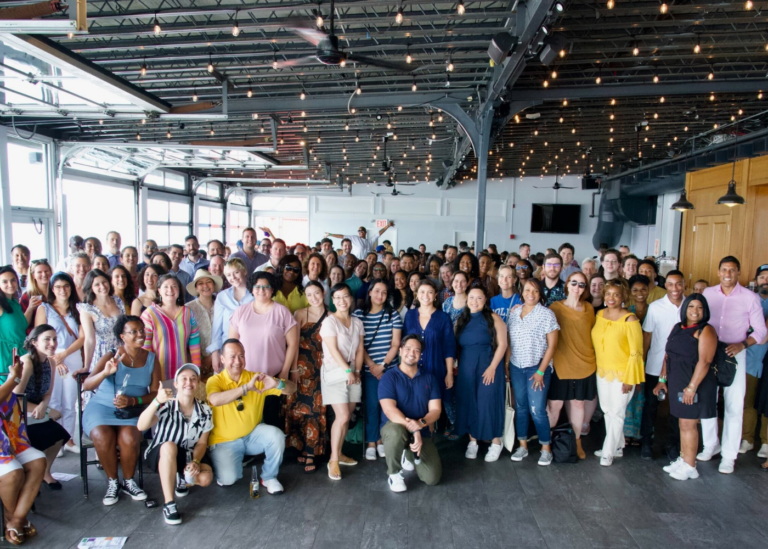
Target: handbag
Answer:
[[509, 420], [723, 366], [129, 412], [564, 445]]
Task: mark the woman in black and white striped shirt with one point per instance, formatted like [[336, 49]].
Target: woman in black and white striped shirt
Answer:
[[181, 438]]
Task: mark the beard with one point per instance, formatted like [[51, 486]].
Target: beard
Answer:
[[763, 289]]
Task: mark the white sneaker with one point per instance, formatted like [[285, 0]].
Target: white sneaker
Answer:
[[494, 451], [472, 449], [370, 453], [672, 467], [545, 458], [707, 453], [606, 461], [684, 472], [273, 486], [763, 452], [397, 483], [380, 450], [61, 453], [74, 448], [619, 453], [406, 464], [746, 447], [726, 466]]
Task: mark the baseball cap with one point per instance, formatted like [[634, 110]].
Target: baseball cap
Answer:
[[186, 367], [761, 269], [380, 248]]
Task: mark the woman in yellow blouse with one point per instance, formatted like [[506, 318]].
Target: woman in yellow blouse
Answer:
[[291, 291], [618, 341]]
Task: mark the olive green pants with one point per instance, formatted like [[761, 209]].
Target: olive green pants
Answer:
[[396, 439]]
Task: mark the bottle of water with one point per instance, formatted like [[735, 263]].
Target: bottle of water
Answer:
[[254, 483], [121, 390]]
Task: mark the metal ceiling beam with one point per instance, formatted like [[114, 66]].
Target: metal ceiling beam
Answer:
[[637, 90]]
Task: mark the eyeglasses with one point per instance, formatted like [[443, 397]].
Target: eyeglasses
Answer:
[[262, 288], [134, 332], [292, 269], [239, 404], [552, 265], [521, 267], [579, 284], [380, 269]]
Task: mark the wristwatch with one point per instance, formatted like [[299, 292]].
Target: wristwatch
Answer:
[[17, 380], [423, 422], [746, 345]]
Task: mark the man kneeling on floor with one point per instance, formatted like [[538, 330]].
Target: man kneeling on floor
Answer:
[[181, 438], [237, 397], [410, 402]]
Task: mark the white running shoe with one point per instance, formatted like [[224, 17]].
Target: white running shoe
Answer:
[[618, 454], [370, 453], [397, 483], [684, 472], [707, 453], [406, 464], [273, 486], [746, 447], [494, 451], [606, 461], [74, 448], [380, 450], [472, 449], [763, 452], [726, 466], [672, 467]]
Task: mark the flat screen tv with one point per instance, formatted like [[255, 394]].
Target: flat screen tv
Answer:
[[555, 218]]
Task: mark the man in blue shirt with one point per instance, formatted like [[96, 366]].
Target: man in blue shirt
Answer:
[[410, 403], [194, 259], [755, 358]]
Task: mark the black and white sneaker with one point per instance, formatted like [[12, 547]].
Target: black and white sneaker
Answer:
[[132, 489], [113, 492], [171, 514], [182, 490]]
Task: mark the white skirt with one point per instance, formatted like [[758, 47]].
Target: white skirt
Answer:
[[334, 388]]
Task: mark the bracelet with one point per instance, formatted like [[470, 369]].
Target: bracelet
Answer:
[[156, 403], [140, 402], [349, 370], [245, 390], [540, 373], [662, 380], [196, 461], [281, 384]]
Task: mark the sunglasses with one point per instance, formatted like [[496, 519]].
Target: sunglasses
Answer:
[[40, 262], [239, 404], [579, 284], [521, 267], [292, 269], [265, 288]]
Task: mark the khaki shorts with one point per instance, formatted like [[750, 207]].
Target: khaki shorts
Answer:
[[333, 385]]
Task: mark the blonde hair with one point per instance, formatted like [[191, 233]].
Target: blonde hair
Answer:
[[236, 263]]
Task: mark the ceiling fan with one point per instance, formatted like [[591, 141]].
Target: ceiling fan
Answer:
[[391, 183], [557, 186], [328, 52], [394, 192]]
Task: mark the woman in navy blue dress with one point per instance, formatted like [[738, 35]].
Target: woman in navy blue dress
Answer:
[[436, 331], [482, 339]]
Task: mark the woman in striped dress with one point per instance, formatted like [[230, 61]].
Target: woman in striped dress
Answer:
[[171, 328]]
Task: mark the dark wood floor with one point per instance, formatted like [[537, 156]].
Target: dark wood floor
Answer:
[[477, 504]]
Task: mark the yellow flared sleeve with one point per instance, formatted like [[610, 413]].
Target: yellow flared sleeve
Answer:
[[635, 372]]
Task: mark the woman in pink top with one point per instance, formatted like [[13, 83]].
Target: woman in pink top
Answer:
[[270, 336]]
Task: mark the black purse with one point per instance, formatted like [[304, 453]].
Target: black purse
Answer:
[[129, 412], [723, 366]]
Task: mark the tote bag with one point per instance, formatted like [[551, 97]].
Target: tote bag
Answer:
[[509, 421]]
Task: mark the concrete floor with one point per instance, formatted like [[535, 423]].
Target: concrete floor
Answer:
[[478, 504]]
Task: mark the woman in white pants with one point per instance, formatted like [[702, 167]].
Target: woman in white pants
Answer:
[[618, 340], [61, 313]]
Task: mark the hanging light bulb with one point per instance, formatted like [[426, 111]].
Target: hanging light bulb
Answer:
[[598, 80], [545, 83], [413, 86], [319, 21], [748, 5], [194, 95], [70, 35], [610, 4], [346, 126], [303, 94], [683, 204], [236, 29], [343, 62], [138, 136], [157, 28], [144, 69], [663, 8], [399, 15], [635, 49], [447, 80], [554, 74], [168, 135], [357, 137], [212, 132], [274, 61], [450, 66], [711, 74], [697, 47], [731, 198], [210, 63], [655, 78], [250, 91], [408, 57], [358, 88], [460, 8]]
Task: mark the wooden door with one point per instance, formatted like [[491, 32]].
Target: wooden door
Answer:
[[759, 229], [711, 236]]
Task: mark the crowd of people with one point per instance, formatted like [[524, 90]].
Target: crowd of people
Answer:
[[222, 355]]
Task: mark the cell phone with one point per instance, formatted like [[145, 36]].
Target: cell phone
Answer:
[[695, 397], [168, 384], [15, 355]]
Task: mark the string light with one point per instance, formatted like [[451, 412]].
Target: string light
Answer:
[[711, 74], [358, 87], [157, 28], [662, 99], [610, 4], [194, 95], [635, 49], [408, 57], [655, 78], [545, 83], [413, 86], [236, 28], [697, 47], [210, 63], [460, 8], [303, 94], [565, 102], [138, 136], [144, 68], [663, 7], [399, 16], [450, 66], [748, 5], [554, 75], [249, 93]]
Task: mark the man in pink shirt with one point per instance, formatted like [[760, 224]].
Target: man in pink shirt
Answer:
[[733, 310]]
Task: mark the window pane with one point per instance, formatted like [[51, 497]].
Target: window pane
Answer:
[[291, 229], [27, 234], [217, 216], [155, 178], [203, 216], [159, 233], [27, 174], [157, 210], [280, 203], [175, 181], [178, 233], [179, 212], [117, 211]]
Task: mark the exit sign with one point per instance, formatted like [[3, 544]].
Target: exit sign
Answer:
[[381, 223]]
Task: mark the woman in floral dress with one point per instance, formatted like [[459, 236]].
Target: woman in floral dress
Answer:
[[305, 425]]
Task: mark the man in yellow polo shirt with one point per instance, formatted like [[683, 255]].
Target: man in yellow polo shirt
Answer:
[[237, 398]]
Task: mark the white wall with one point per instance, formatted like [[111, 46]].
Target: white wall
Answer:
[[641, 239], [434, 217]]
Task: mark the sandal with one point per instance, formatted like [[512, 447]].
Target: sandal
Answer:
[[18, 537], [309, 466], [764, 466], [346, 461], [334, 473], [301, 459], [29, 530]]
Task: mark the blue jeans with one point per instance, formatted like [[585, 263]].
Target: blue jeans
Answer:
[[372, 408], [530, 403], [227, 457]]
